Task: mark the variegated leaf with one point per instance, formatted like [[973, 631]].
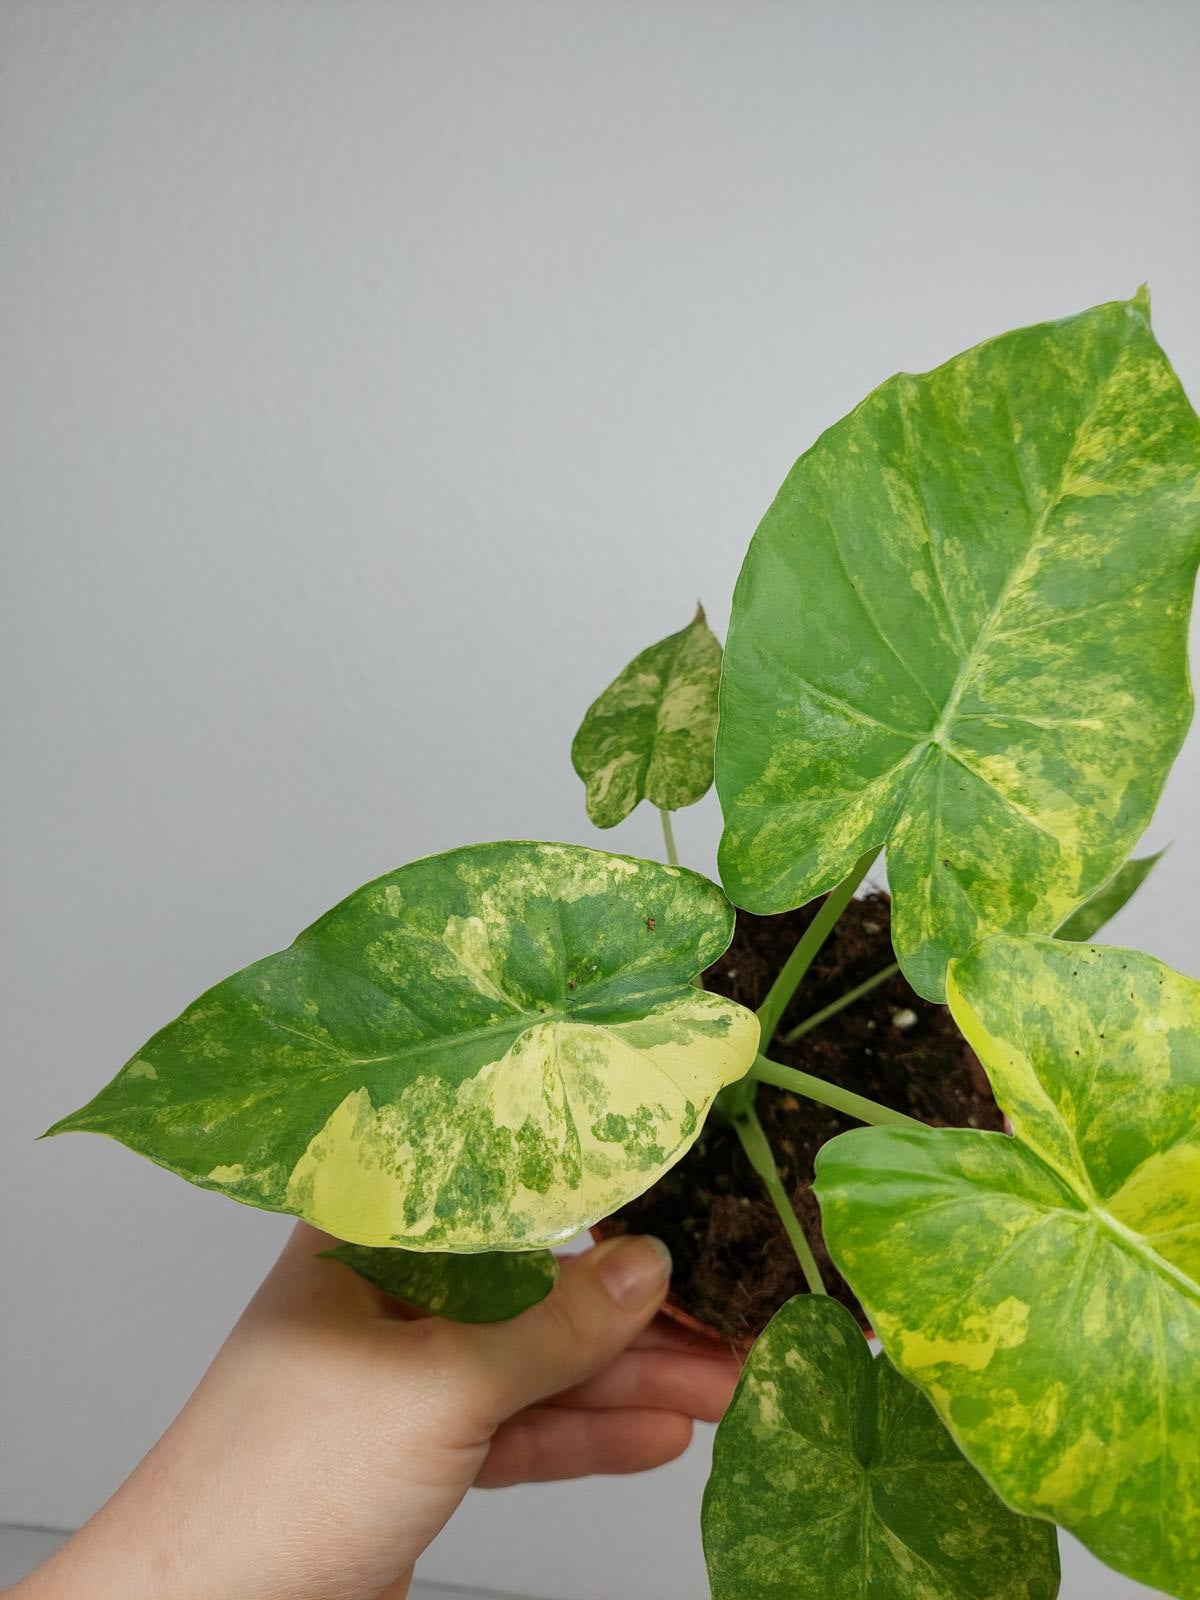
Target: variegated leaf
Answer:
[[961, 632], [490, 1287], [650, 735], [833, 1477], [1086, 922], [488, 1049], [1044, 1289]]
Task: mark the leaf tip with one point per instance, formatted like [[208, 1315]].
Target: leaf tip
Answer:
[[1141, 300], [65, 1124]]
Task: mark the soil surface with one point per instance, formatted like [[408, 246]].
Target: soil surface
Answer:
[[734, 1266]]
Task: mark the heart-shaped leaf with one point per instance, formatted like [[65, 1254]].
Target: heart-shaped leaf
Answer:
[[832, 1476], [488, 1049], [961, 631], [650, 735], [490, 1287], [1044, 1289], [1102, 907]]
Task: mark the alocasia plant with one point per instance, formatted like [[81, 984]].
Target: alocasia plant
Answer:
[[959, 636]]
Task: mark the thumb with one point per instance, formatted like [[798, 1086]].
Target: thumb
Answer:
[[601, 1300]]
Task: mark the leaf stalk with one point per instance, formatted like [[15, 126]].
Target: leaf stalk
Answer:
[[668, 837], [814, 936], [830, 1094], [760, 1156], [840, 1004]]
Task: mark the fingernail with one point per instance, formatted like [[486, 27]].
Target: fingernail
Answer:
[[635, 1270]]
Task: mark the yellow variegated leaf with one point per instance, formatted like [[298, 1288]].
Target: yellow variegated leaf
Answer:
[[1044, 1289], [488, 1049], [960, 632], [832, 1477], [650, 735]]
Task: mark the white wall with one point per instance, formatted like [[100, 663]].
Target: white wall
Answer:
[[378, 377]]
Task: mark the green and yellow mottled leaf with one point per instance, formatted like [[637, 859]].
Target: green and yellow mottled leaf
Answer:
[[833, 1477], [960, 632], [490, 1287], [485, 1050], [1086, 922], [650, 735], [1044, 1289]]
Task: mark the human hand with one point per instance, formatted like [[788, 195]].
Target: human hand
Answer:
[[332, 1437]]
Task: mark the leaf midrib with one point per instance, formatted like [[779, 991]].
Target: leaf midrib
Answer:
[[987, 630], [871, 1514], [646, 999], [1136, 1244], [940, 735], [1078, 1184], [1088, 1209], [680, 645]]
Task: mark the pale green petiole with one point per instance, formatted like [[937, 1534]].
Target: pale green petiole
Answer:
[[829, 1094], [813, 937], [758, 1153], [669, 837], [840, 1004]]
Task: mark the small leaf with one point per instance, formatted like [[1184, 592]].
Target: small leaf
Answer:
[[490, 1287], [1086, 922], [961, 632], [650, 735], [1044, 1289], [488, 1049], [832, 1476]]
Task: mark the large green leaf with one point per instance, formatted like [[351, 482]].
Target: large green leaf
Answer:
[[488, 1049], [1102, 907], [650, 735], [477, 1288], [833, 1478], [960, 631], [1044, 1289]]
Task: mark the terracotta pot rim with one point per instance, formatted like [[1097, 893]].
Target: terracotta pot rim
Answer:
[[741, 1347], [603, 1230]]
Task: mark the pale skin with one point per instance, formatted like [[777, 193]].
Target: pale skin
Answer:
[[334, 1435]]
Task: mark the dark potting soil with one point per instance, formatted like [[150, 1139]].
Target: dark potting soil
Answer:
[[734, 1266]]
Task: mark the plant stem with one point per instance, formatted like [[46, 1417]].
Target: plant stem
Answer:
[[810, 941], [829, 1094], [669, 836], [832, 1009], [758, 1153], [737, 1099]]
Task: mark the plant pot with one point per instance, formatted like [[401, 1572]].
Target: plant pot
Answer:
[[607, 1229]]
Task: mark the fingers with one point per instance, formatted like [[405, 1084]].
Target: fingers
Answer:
[[548, 1443], [602, 1299], [658, 1380], [663, 1334]]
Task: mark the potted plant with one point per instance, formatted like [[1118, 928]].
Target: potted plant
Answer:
[[959, 636]]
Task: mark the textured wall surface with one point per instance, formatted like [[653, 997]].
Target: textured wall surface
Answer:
[[377, 379]]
